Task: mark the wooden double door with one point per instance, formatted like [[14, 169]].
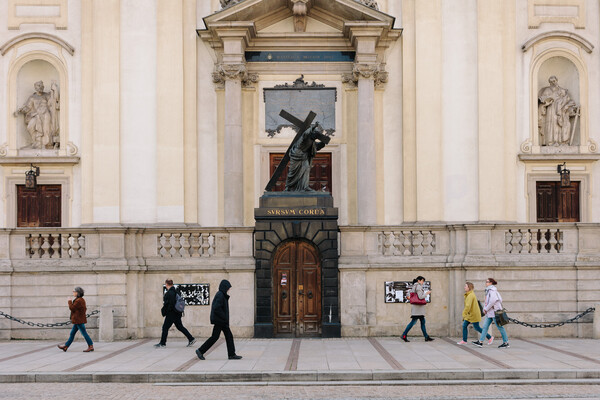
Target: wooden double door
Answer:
[[556, 203], [39, 207], [297, 290]]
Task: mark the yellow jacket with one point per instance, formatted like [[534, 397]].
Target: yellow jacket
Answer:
[[471, 312]]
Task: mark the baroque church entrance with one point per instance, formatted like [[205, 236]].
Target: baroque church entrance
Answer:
[[297, 287]]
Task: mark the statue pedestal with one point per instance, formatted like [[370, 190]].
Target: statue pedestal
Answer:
[[304, 216], [296, 205]]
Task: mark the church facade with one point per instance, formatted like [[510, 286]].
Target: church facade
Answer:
[[145, 140]]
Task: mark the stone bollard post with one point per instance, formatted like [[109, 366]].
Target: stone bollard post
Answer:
[[105, 324], [596, 324]]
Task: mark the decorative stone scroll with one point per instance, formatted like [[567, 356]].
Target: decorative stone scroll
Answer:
[[239, 71], [367, 71]]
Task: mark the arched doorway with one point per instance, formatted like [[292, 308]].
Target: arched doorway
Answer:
[[297, 289]]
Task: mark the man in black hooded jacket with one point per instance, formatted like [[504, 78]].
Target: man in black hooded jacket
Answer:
[[219, 317]]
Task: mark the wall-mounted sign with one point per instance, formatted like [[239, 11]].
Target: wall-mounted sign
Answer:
[[194, 294], [398, 291]]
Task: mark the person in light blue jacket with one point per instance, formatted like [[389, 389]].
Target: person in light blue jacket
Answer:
[[493, 303]]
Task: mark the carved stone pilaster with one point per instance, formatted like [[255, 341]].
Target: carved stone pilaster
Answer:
[[367, 71], [300, 10], [239, 71]]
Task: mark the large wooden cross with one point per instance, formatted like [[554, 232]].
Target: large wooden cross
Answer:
[[301, 126]]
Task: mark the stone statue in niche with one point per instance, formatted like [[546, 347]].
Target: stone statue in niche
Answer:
[[41, 112], [302, 153], [557, 115]]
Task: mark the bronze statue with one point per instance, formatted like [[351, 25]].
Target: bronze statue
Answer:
[[302, 153], [304, 147]]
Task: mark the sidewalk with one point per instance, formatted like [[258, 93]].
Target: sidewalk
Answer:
[[369, 360]]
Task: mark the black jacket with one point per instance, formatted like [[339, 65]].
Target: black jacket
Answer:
[[169, 300], [219, 312]]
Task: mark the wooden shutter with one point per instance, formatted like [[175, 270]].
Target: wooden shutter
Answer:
[[27, 207], [568, 204], [546, 202]]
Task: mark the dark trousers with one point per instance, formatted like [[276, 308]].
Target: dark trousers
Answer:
[[171, 319], [215, 336], [413, 321]]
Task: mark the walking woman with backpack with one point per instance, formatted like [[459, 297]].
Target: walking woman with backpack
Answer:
[[78, 319], [472, 314], [418, 301], [493, 303]]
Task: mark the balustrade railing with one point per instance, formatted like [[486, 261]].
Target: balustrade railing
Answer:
[[407, 243], [532, 240], [57, 245], [186, 245]]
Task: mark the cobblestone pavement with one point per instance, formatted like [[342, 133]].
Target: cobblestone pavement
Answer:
[[114, 391]]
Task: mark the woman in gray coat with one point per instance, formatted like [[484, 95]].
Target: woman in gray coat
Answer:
[[418, 310]]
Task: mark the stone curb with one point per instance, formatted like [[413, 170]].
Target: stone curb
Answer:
[[304, 377]]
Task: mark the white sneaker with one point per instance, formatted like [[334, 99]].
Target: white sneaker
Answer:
[[461, 342], [491, 341]]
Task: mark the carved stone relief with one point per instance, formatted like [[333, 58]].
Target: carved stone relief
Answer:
[[367, 71], [229, 3], [300, 10], [370, 3], [299, 98], [225, 72]]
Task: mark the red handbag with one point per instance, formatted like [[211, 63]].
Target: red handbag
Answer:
[[414, 299]]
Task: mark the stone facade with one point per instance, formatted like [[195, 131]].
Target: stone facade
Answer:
[[163, 156]]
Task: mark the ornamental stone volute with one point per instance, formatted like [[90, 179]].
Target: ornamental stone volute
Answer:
[[239, 71], [367, 71]]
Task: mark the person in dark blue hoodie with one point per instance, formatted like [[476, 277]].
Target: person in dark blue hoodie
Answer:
[[219, 317]]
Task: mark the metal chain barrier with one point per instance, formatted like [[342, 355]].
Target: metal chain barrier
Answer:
[[553, 325], [10, 317]]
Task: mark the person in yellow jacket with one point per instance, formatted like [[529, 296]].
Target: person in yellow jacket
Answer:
[[471, 314]]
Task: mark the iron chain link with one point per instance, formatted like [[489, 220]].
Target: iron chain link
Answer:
[[553, 325], [39, 325]]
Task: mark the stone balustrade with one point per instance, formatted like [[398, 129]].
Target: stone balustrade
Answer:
[[474, 244]]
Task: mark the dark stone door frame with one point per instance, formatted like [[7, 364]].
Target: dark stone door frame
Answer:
[[321, 229]]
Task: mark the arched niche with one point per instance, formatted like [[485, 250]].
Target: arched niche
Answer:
[[31, 72], [565, 71], [24, 72], [566, 65]]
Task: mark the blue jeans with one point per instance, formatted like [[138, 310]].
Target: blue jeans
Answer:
[[475, 326], [80, 327], [412, 323], [486, 324]]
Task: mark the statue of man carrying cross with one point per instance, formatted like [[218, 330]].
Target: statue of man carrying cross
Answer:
[[309, 139]]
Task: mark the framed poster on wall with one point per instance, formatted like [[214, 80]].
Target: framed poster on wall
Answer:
[[398, 291], [194, 294]]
